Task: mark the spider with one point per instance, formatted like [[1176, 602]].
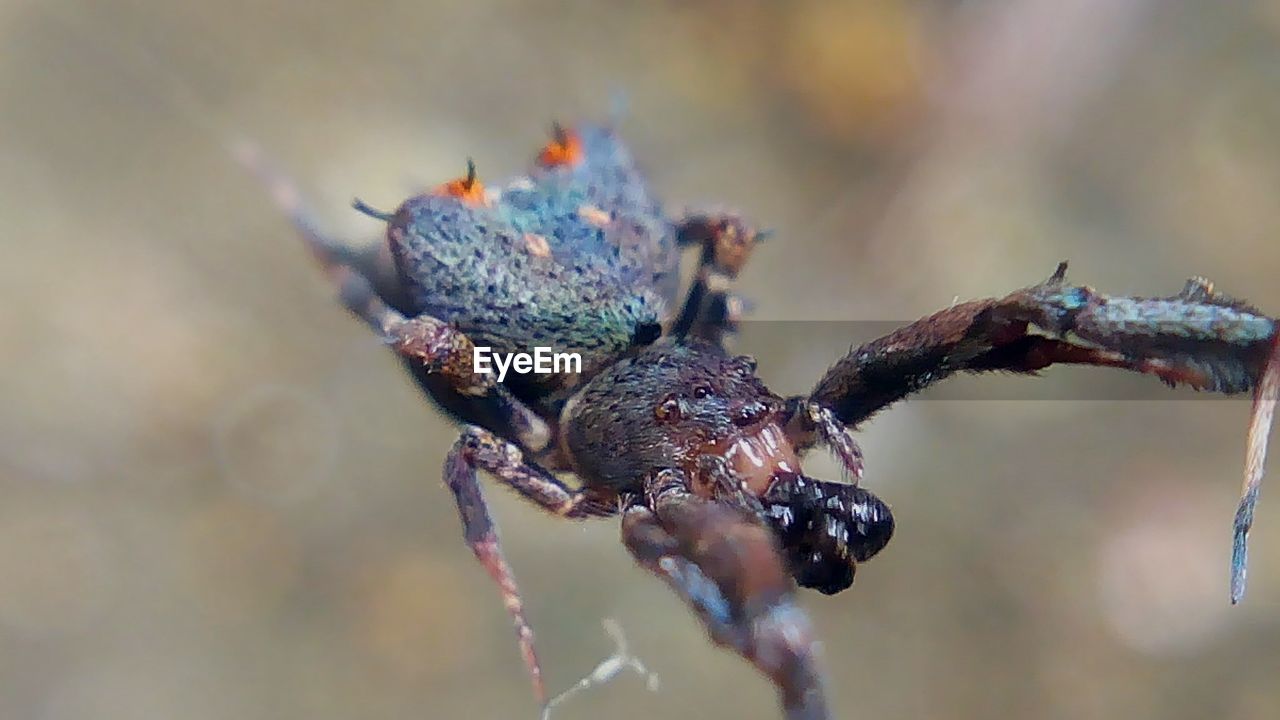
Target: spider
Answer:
[[664, 427]]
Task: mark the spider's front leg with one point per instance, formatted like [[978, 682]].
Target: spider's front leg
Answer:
[[479, 449], [710, 310], [1197, 337], [724, 562]]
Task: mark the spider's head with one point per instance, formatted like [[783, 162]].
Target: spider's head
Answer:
[[682, 405], [670, 406], [722, 411], [718, 410]]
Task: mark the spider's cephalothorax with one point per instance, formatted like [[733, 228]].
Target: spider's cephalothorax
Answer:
[[663, 426], [690, 407]]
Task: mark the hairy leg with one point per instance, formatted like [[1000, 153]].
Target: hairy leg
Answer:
[[809, 423], [1198, 337], [479, 449], [725, 564], [710, 310], [446, 351]]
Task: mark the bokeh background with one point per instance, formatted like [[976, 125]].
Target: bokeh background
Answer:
[[219, 498]]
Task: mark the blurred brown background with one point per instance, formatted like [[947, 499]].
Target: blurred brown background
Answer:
[[220, 499]]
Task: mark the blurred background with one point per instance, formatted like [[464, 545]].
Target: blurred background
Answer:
[[219, 498]]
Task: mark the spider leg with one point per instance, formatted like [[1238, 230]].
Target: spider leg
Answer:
[[810, 423], [726, 565], [356, 274], [1208, 341], [1264, 410], [479, 449], [710, 310], [367, 286], [447, 351], [1197, 337]]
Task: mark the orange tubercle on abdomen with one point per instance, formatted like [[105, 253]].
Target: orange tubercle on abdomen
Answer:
[[565, 149], [468, 189]]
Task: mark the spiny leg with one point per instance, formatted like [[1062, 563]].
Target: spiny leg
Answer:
[[725, 564], [443, 349], [1197, 337], [810, 423], [479, 449], [1207, 341], [710, 310], [506, 461], [367, 288]]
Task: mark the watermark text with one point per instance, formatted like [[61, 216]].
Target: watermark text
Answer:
[[542, 361]]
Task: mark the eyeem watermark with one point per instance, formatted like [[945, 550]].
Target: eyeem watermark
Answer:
[[543, 361]]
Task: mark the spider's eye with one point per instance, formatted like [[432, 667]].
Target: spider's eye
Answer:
[[668, 411], [701, 391]]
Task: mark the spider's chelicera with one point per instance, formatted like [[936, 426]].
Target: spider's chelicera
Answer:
[[661, 425]]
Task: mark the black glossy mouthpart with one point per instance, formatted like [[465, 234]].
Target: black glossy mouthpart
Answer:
[[826, 528]]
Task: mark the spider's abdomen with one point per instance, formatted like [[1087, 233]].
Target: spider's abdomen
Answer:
[[577, 257]]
